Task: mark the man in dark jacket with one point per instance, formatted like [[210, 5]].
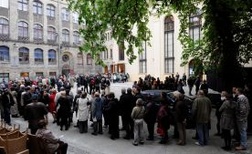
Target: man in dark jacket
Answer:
[[7, 102], [127, 104], [113, 113], [34, 112], [97, 107]]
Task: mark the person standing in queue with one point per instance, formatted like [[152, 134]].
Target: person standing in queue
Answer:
[[34, 112]]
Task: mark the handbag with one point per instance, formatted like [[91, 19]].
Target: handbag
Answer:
[[160, 131]]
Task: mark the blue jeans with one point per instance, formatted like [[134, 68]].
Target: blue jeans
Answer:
[[203, 133], [242, 128]]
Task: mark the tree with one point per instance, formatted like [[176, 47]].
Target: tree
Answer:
[[227, 32]]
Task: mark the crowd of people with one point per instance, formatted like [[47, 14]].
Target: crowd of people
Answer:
[[94, 102]]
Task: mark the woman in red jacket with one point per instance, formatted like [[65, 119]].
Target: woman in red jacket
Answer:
[[52, 104]]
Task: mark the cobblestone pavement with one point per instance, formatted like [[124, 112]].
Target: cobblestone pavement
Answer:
[[101, 144]]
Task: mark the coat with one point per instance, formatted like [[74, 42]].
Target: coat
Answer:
[[97, 108], [52, 142], [83, 109], [227, 110], [202, 109]]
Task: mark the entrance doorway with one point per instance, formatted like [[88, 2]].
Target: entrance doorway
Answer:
[[65, 70]]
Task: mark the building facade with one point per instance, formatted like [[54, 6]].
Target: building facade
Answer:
[[40, 38], [163, 57]]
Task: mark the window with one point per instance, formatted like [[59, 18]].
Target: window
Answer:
[[38, 56], [121, 51], [4, 54], [50, 10], [4, 3], [65, 35], [52, 56], [52, 74], [89, 59], [64, 14], [75, 18], [37, 8], [80, 58], [39, 74], [106, 54], [4, 77], [195, 26], [169, 45], [22, 29], [4, 26], [143, 60], [111, 54], [23, 55], [51, 33], [38, 32], [76, 37], [23, 5]]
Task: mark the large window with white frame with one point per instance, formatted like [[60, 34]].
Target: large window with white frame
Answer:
[[64, 14], [50, 10], [23, 55], [51, 33], [65, 35], [4, 3], [195, 26], [23, 5], [38, 56], [4, 54], [37, 32], [22, 29], [4, 26], [37, 8], [169, 44], [143, 60]]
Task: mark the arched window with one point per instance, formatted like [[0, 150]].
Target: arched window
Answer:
[[65, 14], [169, 45], [195, 25], [4, 26], [52, 56], [37, 32], [23, 55], [38, 56], [65, 35], [4, 54], [22, 29], [76, 37], [51, 33], [50, 10], [37, 7], [80, 58], [89, 59]]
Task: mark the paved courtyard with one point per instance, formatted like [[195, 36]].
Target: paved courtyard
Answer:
[[102, 144]]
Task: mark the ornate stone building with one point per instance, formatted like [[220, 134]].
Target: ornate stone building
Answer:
[[40, 38]]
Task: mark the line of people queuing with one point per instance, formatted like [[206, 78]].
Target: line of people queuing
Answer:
[[135, 110]]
